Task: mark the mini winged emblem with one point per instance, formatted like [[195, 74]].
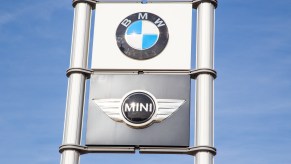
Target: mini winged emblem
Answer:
[[138, 109]]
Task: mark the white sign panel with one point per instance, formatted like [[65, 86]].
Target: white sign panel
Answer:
[[142, 36]]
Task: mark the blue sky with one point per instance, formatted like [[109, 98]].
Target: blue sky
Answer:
[[252, 91]]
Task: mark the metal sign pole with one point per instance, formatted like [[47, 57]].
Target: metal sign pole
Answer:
[[77, 75], [204, 86]]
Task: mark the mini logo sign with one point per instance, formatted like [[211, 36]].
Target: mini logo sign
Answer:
[[138, 108], [142, 35]]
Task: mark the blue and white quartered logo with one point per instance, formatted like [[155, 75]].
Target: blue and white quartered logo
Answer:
[[142, 35]]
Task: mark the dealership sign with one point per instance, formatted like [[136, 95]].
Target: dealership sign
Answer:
[[136, 109], [142, 36], [140, 109], [140, 79]]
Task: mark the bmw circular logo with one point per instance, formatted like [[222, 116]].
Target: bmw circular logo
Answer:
[[138, 108], [142, 35]]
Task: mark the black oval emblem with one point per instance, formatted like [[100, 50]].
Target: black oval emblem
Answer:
[[138, 107], [142, 35]]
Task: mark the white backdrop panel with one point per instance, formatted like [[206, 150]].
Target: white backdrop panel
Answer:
[[176, 55]]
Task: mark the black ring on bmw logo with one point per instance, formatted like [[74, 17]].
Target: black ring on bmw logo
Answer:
[[151, 52], [140, 116]]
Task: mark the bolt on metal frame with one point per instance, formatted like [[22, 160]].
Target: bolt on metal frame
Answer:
[[204, 74]]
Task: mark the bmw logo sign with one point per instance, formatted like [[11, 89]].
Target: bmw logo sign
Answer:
[[142, 35]]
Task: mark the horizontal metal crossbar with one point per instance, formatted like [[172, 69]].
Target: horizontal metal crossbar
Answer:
[[120, 71], [96, 149], [173, 150], [192, 73], [143, 150], [153, 1], [93, 2]]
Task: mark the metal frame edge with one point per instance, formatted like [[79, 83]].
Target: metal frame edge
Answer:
[[142, 150]]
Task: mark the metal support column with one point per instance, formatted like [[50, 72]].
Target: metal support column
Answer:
[[77, 75], [204, 128]]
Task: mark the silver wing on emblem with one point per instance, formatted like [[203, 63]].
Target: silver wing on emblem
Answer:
[[110, 107], [166, 107]]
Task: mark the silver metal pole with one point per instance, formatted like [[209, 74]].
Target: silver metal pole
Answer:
[[204, 128], [76, 82]]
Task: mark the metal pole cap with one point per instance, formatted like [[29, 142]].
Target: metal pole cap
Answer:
[[196, 3], [92, 3]]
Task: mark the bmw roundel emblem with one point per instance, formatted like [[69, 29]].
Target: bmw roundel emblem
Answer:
[[142, 35]]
